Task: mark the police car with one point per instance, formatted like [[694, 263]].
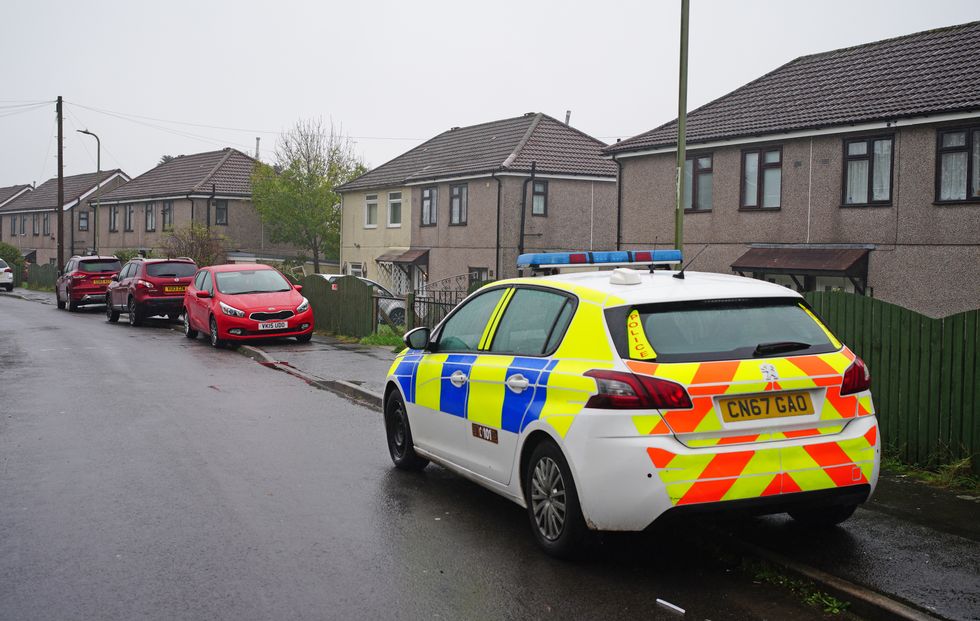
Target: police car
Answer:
[[606, 400]]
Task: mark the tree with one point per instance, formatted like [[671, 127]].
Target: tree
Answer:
[[197, 242], [296, 197], [168, 158], [11, 254]]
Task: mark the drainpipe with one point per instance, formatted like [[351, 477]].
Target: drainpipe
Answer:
[[210, 202], [500, 184], [192, 207], [619, 203], [520, 240]]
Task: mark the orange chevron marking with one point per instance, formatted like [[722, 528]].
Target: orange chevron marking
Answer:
[[715, 372], [707, 491], [862, 411], [684, 421], [812, 365], [801, 433], [844, 475], [700, 391], [789, 485], [774, 386], [826, 381], [643, 368], [727, 465], [845, 406], [739, 439], [775, 486], [660, 429], [660, 458], [872, 436], [827, 454]]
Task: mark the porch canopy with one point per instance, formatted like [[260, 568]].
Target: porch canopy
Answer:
[[808, 263], [410, 256]]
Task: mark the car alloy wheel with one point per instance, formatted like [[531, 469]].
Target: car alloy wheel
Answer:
[[548, 498], [111, 314], [215, 341], [189, 332], [552, 502], [133, 310]]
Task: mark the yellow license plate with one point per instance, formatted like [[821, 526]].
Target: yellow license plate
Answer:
[[754, 407], [174, 289], [101, 281]]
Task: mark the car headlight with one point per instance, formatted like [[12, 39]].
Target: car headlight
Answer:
[[231, 311], [304, 305]]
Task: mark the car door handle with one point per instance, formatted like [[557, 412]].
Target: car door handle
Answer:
[[458, 378], [517, 383]]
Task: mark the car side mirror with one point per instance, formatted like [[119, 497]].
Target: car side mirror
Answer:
[[417, 338], [203, 294], [298, 287], [114, 277]]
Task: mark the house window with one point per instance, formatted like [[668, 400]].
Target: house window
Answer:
[[958, 165], [82, 220], [151, 217], [868, 171], [356, 269], [113, 218], [539, 198], [394, 209], [13, 225], [130, 211], [167, 215], [23, 224], [457, 204], [429, 206], [221, 212], [762, 172], [46, 224], [698, 178], [478, 275], [370, 211], [35, 223]]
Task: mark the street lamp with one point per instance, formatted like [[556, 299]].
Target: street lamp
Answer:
[[98, 169]]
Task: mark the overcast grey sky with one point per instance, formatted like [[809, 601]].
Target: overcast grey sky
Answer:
[[391, 73]]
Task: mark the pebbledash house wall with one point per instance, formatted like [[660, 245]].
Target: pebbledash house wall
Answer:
[[363, 244], [580, 216], [925, 257], [244, 231]]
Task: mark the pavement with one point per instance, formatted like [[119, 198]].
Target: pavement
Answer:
[[912, 552]]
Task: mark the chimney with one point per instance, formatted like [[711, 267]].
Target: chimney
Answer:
[[568, 116], [257, 147]]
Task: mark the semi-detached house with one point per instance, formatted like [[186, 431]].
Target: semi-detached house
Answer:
[[857, 168], [461, 206]]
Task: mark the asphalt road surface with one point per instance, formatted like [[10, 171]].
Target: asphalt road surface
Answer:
[[146, 476]]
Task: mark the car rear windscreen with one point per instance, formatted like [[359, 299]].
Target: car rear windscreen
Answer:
[[177, 269], [720, 330], [99, 265], [3, 263]]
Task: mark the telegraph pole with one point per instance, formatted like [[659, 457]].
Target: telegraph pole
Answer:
[[61, 191], [681, 129]]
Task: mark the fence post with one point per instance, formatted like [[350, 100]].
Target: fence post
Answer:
[[409, 312]]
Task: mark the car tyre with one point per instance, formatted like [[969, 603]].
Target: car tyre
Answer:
[[9, 288], [552, 502], [72, 304], [397, 316], [304, 338], [60, 303], [399, 435], [189, 332], [823, 517], [111, 314], [134, 312], [173, 316], [216, 342]]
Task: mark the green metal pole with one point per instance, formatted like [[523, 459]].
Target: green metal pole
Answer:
[[681, 128]]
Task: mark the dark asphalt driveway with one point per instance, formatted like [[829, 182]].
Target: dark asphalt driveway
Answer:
[[145, 476]]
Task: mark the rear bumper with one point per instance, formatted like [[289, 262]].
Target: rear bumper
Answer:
[[164, 305], [626, 481]]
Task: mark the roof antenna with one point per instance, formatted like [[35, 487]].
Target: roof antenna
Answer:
[[680, 274]]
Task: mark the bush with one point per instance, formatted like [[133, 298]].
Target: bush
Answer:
[[126, 254], [197, 242], [11, 255]]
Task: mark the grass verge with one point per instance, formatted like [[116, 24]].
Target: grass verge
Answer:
[[957, 476], [384, 337], [807, 591]]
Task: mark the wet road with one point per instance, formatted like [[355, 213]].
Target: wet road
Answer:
[[143, 475]]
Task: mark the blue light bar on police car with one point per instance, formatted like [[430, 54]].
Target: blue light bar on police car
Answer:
[[612, 257]]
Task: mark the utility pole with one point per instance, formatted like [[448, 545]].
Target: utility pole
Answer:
[[98, 169], [681, 129], [61, 191]]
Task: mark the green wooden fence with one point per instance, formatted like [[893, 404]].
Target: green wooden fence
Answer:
[[42, 276], [925, 374], [348, 309]]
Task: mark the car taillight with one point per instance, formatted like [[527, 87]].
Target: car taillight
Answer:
[[618, 390], [7, 269], [143, 283], [78, 276], [857, 378]]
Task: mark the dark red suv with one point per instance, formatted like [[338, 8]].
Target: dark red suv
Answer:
[[147, 287], [84, 281]]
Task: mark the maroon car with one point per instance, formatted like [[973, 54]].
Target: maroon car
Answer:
[[148, 287], [84, 281]]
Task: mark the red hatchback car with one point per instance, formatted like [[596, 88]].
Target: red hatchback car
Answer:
[[243, 302], [147, 287], [84, 281]]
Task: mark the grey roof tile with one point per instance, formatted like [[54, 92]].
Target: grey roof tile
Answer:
[[229, 170], [509, 144], [45, 197], [11, 191], [925, 73]]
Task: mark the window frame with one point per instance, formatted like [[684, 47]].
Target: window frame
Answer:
[[690, 161], [83, 217], [46, 224], [400, 201], [544, 197], [150, 217], [463, 197], [869, 156], [370, 200], [760, 175], [570, 298], [436, 335], [221, 206], [114, 219], [433, 206], [36, 224], [128, 217], [167, 215], [971, 165], [23, 224]]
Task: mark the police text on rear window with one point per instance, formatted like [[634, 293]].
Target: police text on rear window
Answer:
[[725, 330]]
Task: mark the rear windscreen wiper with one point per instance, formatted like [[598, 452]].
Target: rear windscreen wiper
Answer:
[[778, 347]]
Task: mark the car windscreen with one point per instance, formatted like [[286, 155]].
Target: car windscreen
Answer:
[[99, 265], [175, 269], [719, 330], [251, 281]]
